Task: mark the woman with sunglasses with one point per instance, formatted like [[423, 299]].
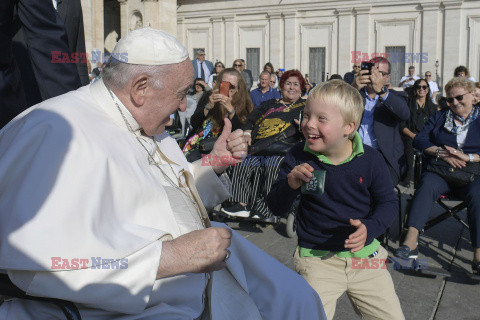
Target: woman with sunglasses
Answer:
[[454, 136], [421, 109]]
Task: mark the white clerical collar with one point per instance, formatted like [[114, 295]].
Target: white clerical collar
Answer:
[[128, 116], [111, 105]]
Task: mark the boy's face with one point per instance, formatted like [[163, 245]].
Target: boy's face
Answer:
[[324, 128]]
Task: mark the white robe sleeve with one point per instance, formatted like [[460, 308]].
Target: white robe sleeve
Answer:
[[125, 290], [213, 189]]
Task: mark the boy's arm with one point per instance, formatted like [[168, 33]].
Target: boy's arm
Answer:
[[384, 205], [281, 196]]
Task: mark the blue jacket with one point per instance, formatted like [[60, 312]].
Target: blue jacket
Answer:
[[387, 117], [209, 66], [434, 134]]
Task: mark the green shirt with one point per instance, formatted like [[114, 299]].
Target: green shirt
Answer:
[[357, 150]]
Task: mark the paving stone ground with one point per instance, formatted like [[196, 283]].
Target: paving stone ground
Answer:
[[447, 245]]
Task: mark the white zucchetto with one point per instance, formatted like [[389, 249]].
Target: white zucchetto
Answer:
[[149, 46]]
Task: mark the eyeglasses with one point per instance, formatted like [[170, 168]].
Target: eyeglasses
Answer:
[[273, 81], [428, 75], [295, 84], [356, 67], [422, 87], [237, 65], [458, 98], [383, 73]]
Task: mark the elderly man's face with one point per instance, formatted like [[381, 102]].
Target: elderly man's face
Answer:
[[161, 103], [201, 56], [264, 80]]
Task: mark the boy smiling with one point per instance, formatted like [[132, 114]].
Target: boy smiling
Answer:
[[347, 200]]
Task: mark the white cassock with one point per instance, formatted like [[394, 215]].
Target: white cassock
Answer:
[[76, 183]]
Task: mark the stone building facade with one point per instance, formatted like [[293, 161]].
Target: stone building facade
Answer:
[[318, 37], [321, 37]]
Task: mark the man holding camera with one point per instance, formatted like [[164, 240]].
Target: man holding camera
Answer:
[[408, 80], [384, 110]]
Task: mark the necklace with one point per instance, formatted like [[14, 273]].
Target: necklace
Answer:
[[152, 160]]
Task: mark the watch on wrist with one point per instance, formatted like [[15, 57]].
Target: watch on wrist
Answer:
[[471, 158], [382, 91]]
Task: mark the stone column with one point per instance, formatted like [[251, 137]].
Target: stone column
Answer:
[[166, 16], [362, 32], [150, 14], [454, 45], [277, 40], [98, 36], [346, 40], [290, 49], [431, 34], [123, 17], [230, 40], [218, 48]]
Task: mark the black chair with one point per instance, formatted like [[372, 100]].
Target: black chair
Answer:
[[7, 288], [450, 211]]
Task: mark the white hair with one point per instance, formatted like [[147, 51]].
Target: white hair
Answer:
[[116, 74]]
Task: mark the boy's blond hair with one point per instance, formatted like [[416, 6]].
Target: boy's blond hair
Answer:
[[344, 96]]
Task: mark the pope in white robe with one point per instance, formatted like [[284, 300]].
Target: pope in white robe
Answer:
[[88, 199]]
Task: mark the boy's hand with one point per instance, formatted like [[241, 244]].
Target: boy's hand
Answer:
[[298, 174], [356, 241]]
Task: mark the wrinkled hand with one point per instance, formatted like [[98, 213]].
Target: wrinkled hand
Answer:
[[377, 79], [455, 158], [361, 80], [230, 148], [248, 137], [356, 241], [198, 251], [302, 172]]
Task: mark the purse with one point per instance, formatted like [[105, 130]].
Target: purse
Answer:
[[277, 145], [457, 177], [206, 145]]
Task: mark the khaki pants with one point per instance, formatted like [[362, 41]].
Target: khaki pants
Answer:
[[370, 290]]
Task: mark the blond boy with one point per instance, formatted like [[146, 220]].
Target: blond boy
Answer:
[[347, 200]]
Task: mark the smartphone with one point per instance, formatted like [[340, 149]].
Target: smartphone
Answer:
[[225, 88], [367, 66]]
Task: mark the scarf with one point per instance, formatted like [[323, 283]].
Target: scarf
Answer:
[[452, 127]]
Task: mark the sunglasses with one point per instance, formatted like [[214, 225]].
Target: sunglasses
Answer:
[[458, 98], [237, 65], [428, 75], [422, 87]]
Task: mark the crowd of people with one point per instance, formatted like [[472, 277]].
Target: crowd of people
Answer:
[[336, 149]]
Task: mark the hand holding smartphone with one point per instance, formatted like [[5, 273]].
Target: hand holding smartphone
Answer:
[[225, 88], [367, 66]]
